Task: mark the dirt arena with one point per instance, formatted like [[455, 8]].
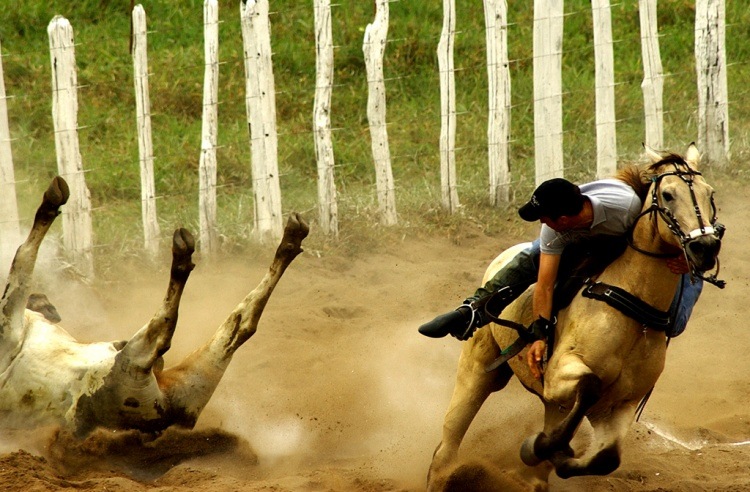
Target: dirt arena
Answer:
[[338, 392]]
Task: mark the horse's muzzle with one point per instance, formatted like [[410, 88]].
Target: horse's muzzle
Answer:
[[703, 252]]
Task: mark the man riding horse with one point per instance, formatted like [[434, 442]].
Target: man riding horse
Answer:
[[596, 215]]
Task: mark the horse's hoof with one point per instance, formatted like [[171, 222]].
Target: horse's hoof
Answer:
[[528, 456]]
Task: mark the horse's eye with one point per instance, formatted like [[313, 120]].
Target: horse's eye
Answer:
[[667, 196]]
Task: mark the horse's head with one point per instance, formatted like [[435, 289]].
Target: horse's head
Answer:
[[682, 204]]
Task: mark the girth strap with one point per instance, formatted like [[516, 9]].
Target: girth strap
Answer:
[[629, 305]]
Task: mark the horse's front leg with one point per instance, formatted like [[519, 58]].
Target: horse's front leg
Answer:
[[572, 382], [603, 456], [473, 386]]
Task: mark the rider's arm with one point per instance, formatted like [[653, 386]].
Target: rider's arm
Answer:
[[542, 306], [545, 285]]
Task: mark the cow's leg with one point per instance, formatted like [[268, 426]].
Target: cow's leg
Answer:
[[473, 386], [190, 384], [130, 397], [153, 340], [18, 286], [603, 455]]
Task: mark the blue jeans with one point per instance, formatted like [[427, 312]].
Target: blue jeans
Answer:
[[682, 305], [523, 269]]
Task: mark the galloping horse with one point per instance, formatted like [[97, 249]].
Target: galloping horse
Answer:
[[603, 362]]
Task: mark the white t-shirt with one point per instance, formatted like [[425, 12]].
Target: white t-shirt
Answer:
[[615, 206]]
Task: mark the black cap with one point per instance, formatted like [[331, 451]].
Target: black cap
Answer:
[[553, 198]]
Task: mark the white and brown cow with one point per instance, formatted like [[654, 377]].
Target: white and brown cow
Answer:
[[47, 377]]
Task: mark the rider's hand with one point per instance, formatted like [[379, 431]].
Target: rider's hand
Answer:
[[534, 358], [678, 265]]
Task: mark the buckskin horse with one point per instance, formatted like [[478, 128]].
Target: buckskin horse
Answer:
[[603, 362], [49, 378]]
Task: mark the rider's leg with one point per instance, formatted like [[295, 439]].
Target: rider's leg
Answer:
[[684, 301], [515, 277]]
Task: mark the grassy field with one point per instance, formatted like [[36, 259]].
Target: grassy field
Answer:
[[107, 109]]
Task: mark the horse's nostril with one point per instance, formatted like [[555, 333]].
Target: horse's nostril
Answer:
[[696, 247]]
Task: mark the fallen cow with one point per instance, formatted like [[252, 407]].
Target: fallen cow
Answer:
[[47, 377]]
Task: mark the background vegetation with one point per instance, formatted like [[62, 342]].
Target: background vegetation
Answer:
[[107, 109]]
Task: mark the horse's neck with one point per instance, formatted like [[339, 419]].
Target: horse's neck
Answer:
[[644, 276]]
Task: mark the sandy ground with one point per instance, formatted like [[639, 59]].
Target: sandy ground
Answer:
[[337, 391]]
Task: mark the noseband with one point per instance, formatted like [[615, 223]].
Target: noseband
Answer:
[[714, 228]]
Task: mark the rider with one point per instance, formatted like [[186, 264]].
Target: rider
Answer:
[[570, 215]]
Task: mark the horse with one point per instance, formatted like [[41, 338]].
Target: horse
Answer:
[[603, 362], [49, 378]]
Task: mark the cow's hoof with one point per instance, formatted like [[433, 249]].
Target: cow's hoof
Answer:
[[296, 227], [57, 193], [183, 242]]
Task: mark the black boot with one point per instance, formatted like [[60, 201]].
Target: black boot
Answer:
[[462, 322], [457, 323], [454, 323]]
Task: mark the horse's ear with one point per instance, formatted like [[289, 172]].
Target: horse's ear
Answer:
[[652, 154], [693, 156]]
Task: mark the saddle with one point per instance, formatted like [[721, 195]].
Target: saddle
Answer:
[[579, 263]]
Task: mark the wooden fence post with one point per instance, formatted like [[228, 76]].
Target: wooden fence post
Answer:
[[327, 200], [210, 129], [606, 131], [10, 231], [448, 183], [498, 124], [151, 232], [711, 68], [376, 34], [77, 230], [548, 128], [260, 102], [653, 77]]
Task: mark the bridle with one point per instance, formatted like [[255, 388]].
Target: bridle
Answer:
[[713, 229]]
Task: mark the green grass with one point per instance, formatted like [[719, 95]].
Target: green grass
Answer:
[[107, 109]]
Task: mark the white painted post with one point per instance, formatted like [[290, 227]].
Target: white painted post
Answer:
[[376, 35], [653, 77], [606, 132], [10, 231], [260, 102], [548, 129], [327, 201], [77, 230], [151, 231], [498, 124], [711, 68], [448, 108], [209, 239]]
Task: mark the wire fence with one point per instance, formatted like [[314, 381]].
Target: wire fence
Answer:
[[411, 82]]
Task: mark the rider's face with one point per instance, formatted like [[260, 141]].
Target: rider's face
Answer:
[[561, 224]]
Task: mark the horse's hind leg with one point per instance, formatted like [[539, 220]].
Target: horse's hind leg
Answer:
[[473, 386], [603, 455], [147, 346], [17, 288]]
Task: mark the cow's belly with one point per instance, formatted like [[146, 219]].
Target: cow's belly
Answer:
[[42, 384]]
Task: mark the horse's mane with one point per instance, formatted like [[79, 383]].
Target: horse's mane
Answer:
[[639, 177]]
